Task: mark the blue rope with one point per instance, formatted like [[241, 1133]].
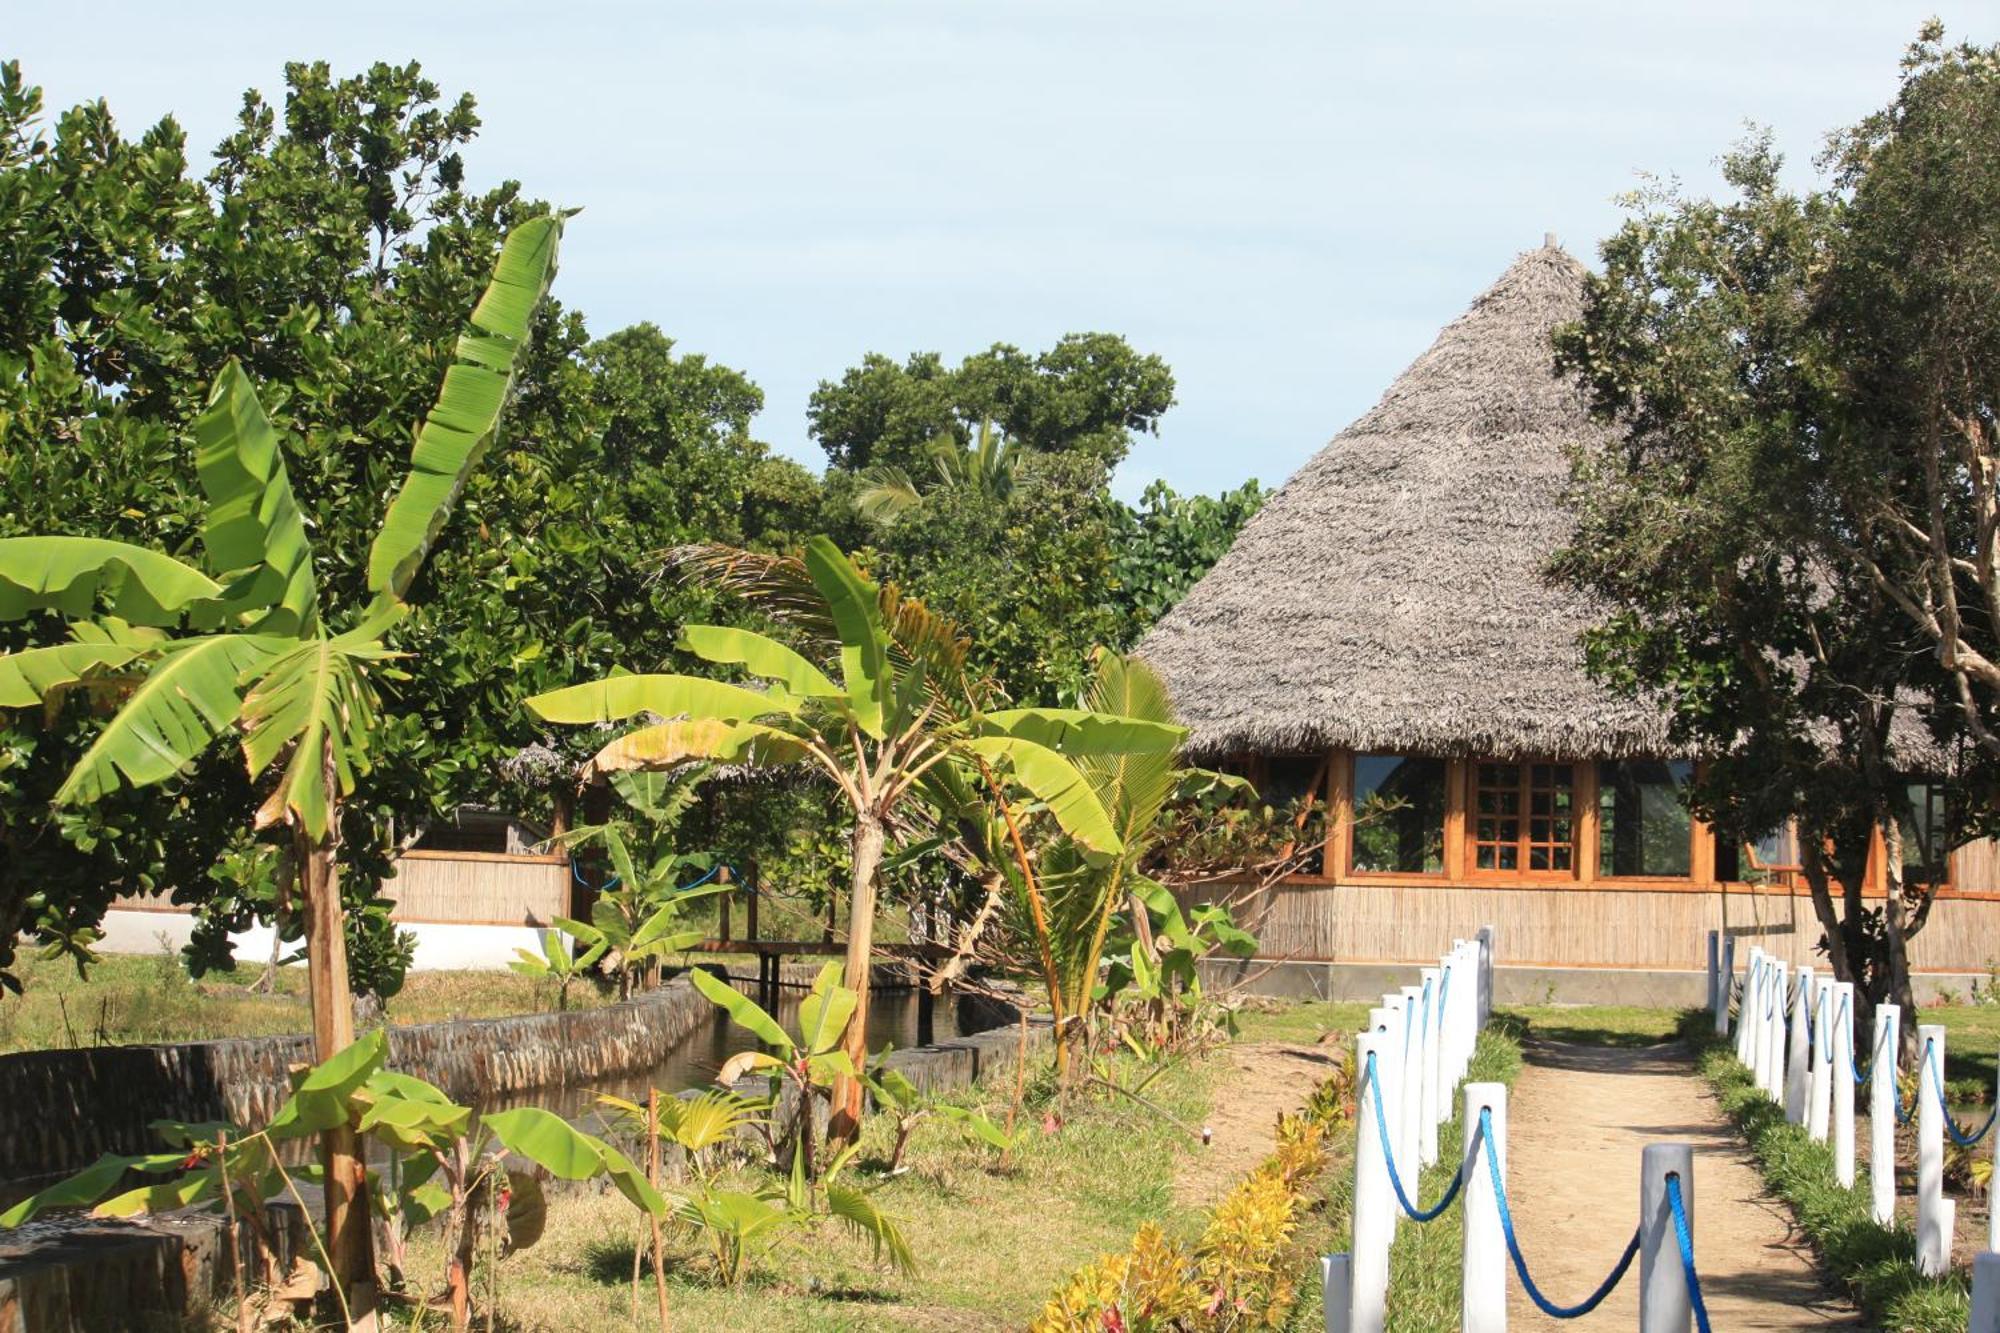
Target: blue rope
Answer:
[[608, 885], [1389, 1156], [1547, 1307], [1958, 1135], [1686, 1240]]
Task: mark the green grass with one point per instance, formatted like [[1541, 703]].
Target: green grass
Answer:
[[1307, 1022], [1876, 1264], [128, 999], [1594, 1024]]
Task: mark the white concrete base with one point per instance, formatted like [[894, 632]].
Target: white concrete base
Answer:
[[441, 947]]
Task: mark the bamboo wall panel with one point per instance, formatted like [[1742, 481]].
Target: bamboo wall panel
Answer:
[[1575, 927], [1976, 866], [527, 891]]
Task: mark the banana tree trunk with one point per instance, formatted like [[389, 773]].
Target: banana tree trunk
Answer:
[[845, 1124], [348, 1240]]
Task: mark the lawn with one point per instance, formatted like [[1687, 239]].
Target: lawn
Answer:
[[134, 999]]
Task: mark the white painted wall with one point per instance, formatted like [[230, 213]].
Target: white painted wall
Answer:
[[440, 946]]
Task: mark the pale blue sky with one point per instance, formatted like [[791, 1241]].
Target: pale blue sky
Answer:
[[1283, 200]]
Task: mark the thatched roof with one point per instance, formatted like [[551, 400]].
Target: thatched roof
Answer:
[[1391, 597]]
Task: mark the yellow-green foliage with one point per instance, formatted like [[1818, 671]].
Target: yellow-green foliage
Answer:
[[1241, 1274]]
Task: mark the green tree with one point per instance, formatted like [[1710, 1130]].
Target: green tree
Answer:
[[1164, 546], [905, 707], [263, 657], [1089, 394], [1773, 523]]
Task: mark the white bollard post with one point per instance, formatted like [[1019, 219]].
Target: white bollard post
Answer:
[[1770, 1025], [1411, 1136], [1933, 1209], [1819, 1081], [1336, 1291], [1389, 1066], [1725, 983], [1992, 1213], [1428, 1097], [1799, 1048], [1882, 1098], [1483, 1010], [1374, 1207], [1746, 1005], [1714, 968], [1985, 1293], [1841, 1076], [1664, 1306], [1483, 1262]]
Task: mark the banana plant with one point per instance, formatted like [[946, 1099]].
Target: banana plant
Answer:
[[988, 466], [639, 918], [249, 645], [696, 1123], [444, 1160], [905, 704], [810, 1065], [569, 951]]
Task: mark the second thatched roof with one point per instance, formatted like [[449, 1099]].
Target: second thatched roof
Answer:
[[1392, 597]]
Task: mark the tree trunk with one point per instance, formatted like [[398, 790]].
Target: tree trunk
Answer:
[[845, 1124], [1894, 930], [348, 1240]]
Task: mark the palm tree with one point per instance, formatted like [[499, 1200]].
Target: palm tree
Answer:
[[257, 657], [988, 466], [905, 708]]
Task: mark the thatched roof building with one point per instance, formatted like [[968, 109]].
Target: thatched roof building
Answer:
[[1391, 596]]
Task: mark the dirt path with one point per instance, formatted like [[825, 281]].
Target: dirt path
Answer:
[[1576, 1121], [1266, 1080]]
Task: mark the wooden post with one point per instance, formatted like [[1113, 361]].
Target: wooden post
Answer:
[[753, 884]]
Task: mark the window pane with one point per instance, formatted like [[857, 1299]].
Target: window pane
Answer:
[[1399, 815], [1643, 826], [1924, 831], [1296, 784]]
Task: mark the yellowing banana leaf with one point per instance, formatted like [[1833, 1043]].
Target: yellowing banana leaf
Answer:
[[314, 701], [69, 573], [188, 699], [744, 1062], [1056, 783], [461, 426], [761, 656], [1079, 731], [28, 677], [254, 525], [856, 607], [88, 1185], [168, 1195], [616, 698], [670, 743]]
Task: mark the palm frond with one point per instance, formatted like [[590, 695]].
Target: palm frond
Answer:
[[855, 1209]]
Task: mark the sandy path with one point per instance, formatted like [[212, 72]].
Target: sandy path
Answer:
[[1577, 1119], [1266, 1080]]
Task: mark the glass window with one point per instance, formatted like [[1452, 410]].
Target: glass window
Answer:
[[1643, 824], [1295, 785], [1523, 817], [1398, 814], [1924, 834]]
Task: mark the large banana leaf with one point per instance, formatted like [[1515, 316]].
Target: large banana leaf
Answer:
[[69, 574], [1081, 731], [1055, 782], [460, 428], [188, 699], [315, 701], [616, 698], [824, 1012], [254, 526], [567, 1152], [28, 676], [856, 607], [671, 743], [762, 656], [746, 1012]]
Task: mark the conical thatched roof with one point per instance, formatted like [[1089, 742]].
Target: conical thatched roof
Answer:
[[1392, 597]]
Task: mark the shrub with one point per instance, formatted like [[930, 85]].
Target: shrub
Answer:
[[1241, 1274]]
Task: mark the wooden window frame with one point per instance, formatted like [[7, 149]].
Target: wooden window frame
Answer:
[[1701, 846], [1340, 806]]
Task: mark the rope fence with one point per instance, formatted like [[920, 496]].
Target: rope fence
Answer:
[[1409, 1057], [1794, 1031]]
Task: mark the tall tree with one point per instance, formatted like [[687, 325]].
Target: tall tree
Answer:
[[1770, 516]]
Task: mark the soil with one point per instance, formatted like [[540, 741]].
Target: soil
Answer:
[[1576, 1121], [1265, 1081]]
